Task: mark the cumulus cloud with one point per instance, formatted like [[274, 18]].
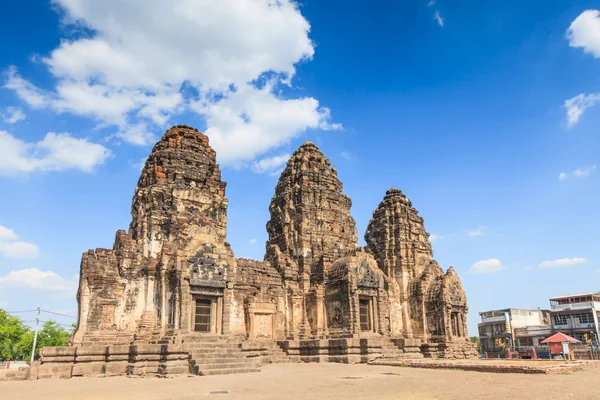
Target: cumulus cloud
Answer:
[[480, 230], [487, 266], [7, 235], [577, 105], [144, 62], [12, 247], [433, 237], [581, 173], [270, 164], [252, 241], [12, 115], [34, 278], [562, 262], [249, 121], [56, 152], [584, 32]]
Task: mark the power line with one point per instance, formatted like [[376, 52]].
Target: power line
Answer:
[[55, 313], [17, 312]]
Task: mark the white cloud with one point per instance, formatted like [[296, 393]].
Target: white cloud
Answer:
[[477, 231], [581, 173], [56, 152], [26, 91], [584, 172], [34, 278], [19, 250], [147, 61], [252, 241], [578, 104], [529, 267], [487, 266], [438, 18], [11, 247], [270, 164], [346, 155], [7, 235], [431, 3], [433, 237], [12, 115], [562, 262], [250, 121], [584, 32]]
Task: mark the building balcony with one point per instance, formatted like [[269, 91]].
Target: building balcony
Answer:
[[575, 306], [573, 326], [489, 320]]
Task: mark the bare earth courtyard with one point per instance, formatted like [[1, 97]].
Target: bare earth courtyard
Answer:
[[323, 381]]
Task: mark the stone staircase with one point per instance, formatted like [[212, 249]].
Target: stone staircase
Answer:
[[275, 354], [215, 356], [401, 349], [267, 351]]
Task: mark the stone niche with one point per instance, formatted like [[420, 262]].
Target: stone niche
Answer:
[[355, 296]]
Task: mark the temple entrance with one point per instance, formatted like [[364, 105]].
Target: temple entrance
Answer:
[[365, 314], [202, 319]]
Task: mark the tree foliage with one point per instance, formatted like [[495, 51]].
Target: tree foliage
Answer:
[[12, 332], [16, 338], [475, 339]]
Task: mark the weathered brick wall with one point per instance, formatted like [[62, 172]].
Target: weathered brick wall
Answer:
[[67, 362]]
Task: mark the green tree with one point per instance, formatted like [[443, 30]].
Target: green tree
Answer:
[[475, 339], [51, 335], [12, 332]]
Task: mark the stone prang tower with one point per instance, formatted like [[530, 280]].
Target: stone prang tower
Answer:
[[172, 279]]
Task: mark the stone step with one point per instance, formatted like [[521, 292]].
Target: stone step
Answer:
[[218, 360], [214, 351], [227, 371], [206, 367], [213, 345], [276, 360]]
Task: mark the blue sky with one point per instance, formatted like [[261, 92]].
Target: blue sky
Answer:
[[483, 113]]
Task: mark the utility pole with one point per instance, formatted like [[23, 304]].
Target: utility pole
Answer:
[[37, 324]]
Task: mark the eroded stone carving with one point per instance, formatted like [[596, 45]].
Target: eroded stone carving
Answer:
[[173, 278]]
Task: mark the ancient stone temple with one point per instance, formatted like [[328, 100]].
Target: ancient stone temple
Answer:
[[170, 297]]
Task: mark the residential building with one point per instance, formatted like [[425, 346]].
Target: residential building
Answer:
[[576, 314], [513, 328]]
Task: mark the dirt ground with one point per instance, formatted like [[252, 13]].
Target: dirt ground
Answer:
[[321, 381]]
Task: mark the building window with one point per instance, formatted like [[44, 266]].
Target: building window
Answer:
[[584, 318], [526, 341], [560, 320]]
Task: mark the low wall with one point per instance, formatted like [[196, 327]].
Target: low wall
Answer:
[[450, 350], [147, 359], [350, 350]]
